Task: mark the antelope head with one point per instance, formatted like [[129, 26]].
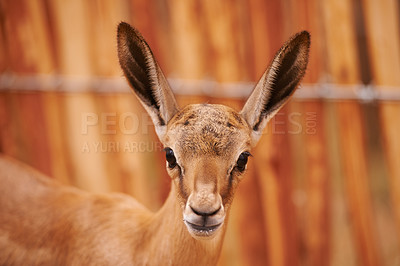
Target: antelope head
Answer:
[[207, 146]]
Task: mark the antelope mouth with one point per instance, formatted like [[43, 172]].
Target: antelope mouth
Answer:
[[202, 231]]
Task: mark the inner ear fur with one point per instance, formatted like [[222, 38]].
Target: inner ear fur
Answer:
[[277, 84], [145, 77]]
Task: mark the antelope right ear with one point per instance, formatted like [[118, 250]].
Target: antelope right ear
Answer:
[[277, 84], [145, 77]]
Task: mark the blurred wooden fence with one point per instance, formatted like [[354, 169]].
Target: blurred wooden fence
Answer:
[[323, 187]]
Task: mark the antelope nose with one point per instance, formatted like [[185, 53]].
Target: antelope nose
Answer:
[[206, 214], [204, 218], [204, 202]]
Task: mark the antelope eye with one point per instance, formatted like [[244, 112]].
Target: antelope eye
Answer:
[[169, 155], [242, 161]]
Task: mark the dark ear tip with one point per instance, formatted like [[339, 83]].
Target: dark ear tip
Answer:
[[124, 29], [303, 37], [123, 24], [305, 34]]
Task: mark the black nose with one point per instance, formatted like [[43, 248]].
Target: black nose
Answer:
[[205, 214]]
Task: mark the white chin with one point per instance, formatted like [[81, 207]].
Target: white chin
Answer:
[[203, 232]]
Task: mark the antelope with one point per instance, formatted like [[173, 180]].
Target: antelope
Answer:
[[207, 146]]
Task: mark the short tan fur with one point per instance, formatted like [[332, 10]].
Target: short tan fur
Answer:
[[207, 147]]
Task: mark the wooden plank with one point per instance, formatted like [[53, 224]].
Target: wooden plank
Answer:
[[104, 17], [25, 134], [219, 17], [9, 129], [342, 249], [343, 65], [4, 59], [85, 150], [27, 46], [36, 150], [260, 37], [53, 113], [311, 159], [72, 36], [314, 199], [381, 21], [318, 175], [27, 42], [84, 154], [274, 176], [187, 37], [48, 101], [109, 126], [4, 124], [244, 38], [276, 26]]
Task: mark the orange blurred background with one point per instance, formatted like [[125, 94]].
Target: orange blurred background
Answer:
[[323, 187]]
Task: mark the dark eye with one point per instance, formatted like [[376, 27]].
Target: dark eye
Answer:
[[242, 161], [169, 155]]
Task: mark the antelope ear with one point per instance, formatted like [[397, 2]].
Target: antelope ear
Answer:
[[277, 84], [145, 77]]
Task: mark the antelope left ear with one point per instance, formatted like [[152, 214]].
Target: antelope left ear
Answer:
[[277, 84], [145, 77]]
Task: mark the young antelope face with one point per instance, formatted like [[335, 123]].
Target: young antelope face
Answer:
[[207, 146]]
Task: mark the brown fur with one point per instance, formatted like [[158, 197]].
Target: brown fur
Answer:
[[45, 223], [208, 129]]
